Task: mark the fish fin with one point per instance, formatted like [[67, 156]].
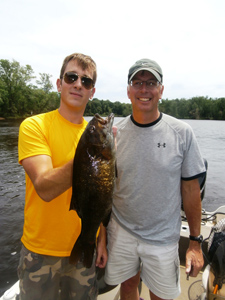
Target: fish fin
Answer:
[[88, 255], [116, 171], [73, 206], [82, 252]]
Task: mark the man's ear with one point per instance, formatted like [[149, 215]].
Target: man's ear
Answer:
[[59, 85], [92, 93], [128, 92], [161, 92]]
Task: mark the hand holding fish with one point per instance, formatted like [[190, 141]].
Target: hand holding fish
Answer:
[[101, 249]]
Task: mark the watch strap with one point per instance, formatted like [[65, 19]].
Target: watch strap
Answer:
[[196, 238]]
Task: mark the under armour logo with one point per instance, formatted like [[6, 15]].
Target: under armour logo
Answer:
[[162, 145]]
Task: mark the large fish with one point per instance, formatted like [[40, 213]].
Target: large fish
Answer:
[[92, 187]]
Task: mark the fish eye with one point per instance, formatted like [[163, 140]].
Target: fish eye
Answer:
[[92, 128]]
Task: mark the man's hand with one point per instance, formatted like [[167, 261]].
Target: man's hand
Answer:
[[194, 259], [102, 257], [102, 254]]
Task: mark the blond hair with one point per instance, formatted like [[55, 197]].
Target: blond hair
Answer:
[[84, 61]]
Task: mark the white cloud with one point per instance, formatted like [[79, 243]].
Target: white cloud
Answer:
[[184, 37]]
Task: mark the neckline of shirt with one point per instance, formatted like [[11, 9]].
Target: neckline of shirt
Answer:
[[146, 125]]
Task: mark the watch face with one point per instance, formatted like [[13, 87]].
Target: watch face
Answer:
[[200, 238]]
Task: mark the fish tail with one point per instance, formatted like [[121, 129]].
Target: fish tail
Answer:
[[88, 255], [82, 252]]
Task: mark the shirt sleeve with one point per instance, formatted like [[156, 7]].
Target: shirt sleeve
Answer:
[[32, 139], [193, 164]]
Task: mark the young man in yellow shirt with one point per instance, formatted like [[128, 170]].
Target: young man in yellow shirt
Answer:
[[47, 144]]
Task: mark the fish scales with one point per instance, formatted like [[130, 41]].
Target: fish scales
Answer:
[[93, 183]]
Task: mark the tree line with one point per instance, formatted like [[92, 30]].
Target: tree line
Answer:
[[22, 94], [199, 108]]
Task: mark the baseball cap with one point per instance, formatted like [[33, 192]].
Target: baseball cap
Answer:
[[147, 65]]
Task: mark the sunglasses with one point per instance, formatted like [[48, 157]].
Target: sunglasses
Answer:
[[71, 77]]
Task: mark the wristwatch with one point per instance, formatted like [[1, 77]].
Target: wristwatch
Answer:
[[196, 238]]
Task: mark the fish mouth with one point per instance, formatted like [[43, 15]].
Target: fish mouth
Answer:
[[110, 119], [107, 121]]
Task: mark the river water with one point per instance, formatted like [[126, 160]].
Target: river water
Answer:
[[211, 138]]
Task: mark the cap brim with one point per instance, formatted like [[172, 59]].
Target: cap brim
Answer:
[[156, 74]]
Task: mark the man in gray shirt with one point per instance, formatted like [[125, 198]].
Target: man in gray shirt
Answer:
[[159, 163]]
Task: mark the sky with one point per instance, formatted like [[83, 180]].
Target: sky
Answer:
[[186, 38]]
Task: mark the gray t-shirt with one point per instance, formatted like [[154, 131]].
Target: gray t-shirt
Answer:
[[151, 161]]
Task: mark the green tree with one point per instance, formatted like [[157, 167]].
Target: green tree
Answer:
[[45, 82], [220, 109], [126, 109], [14, 85]]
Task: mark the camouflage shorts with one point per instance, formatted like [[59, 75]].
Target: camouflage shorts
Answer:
[[54, 278]]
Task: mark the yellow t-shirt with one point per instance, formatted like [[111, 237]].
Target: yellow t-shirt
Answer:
[[50, 228]]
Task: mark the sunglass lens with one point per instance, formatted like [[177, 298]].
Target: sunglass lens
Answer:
[[87, 83], [70, 77]]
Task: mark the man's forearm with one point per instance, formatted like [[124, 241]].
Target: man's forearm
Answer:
[[102, 239], [48, 182], [54, 182]]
